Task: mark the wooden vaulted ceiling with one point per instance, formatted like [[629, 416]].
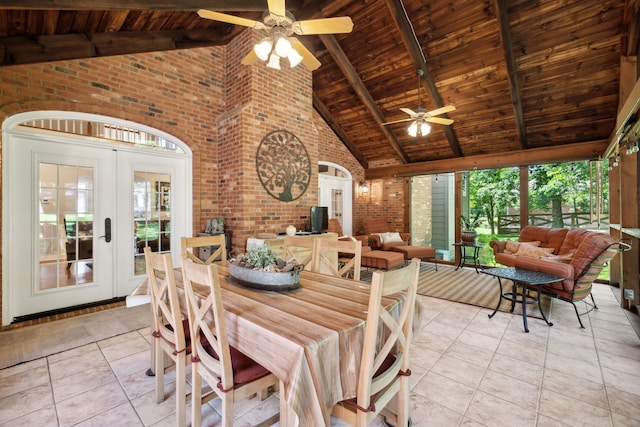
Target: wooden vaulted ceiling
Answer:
[[532, 81]]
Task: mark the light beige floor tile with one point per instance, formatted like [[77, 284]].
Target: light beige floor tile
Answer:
[[425, 412], [572, 411], [442, 329], [433, 341], [479, 340], [469, 353], [570, 385], [36, 376], [94, 402], [573, 351], [140, 383], [622, 421], [151, 412], [22, 367], [581, 369], [25, 402], [423, 356], [131, 364], [623, 403], [77, 363], [621, 381], [510, 389], [123, 345], [620, 363], [45, 417], [517, 369], [447, 392], [122, 415], [82, 382], [531, 354], [493, 411], [544, 421], [625, 349], [458, 370]]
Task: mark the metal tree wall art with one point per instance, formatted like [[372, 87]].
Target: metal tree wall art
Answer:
[[283, 165]]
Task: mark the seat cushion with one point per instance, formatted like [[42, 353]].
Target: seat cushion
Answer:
[[245, 369], [410, 252], [382, 259]]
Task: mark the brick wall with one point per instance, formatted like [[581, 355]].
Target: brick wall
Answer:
[[218, 107]]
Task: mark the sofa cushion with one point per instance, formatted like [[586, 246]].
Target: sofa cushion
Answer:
[[548, 237], [566, 258], [549, 267], [573, 239], [532, 251]]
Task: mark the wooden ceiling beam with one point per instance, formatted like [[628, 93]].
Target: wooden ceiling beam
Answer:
[[507, 46], [30, 50], [563, 153], [338, 130], [217, 5], [338, 55], [410, 40]]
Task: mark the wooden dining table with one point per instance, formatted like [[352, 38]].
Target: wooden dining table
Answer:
[[310, 338]]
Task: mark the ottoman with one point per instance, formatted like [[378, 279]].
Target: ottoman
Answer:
[[382, 259], [421, 252]]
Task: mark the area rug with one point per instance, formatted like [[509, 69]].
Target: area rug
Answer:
[[468, 287]]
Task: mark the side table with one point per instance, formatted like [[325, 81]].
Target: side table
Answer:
[[471, 257], [522, 279]]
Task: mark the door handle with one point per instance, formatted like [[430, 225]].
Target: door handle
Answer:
[[107, 230]]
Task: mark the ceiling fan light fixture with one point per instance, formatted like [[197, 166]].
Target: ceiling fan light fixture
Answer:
[[263, 49], [424, 129], [294, 58], [283, 47], [274, 61], [413, 129]]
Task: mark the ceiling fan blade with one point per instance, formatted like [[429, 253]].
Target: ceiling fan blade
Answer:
[[438, 120], [276, 7], [442, 110], [341, 24], [308, 60], [409, 112], [251, 58], [230, 19], [398, 121]]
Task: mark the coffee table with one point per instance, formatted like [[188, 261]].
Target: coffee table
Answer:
[[523, 280]]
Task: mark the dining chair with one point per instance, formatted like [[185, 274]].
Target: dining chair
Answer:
[[231, 374], [340, 258], [299, 248], [202, 243], [384, 365], [170, 330]]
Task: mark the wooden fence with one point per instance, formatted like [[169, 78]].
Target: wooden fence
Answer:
[[510, 224]]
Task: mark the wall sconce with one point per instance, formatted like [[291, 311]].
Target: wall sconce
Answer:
[[616, 160], [364, 188]]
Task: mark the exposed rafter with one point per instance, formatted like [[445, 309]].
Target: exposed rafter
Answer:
[[356, 83], [219, 5], [337, 129], [507, 47], [399, 15]]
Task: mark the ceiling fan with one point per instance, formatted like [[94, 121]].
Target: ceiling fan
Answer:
[[280, 24], [420, 117]]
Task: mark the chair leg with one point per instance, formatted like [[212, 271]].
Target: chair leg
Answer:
[[577, 314], [593, 300], [181, 392], [196, 395], [159, 370]]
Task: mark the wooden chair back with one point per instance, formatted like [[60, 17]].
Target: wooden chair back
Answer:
[[168, 327], [340, 258], [299, 248], [384, 367], [207, 320], [188, 244]]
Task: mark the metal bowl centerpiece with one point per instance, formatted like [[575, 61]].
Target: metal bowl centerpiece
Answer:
[[260, 268]]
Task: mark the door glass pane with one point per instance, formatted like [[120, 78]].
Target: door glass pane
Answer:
[[152, 215], [65, 226], [336, 204]]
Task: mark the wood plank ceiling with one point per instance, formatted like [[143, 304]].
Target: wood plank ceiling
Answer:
[[532, 81]]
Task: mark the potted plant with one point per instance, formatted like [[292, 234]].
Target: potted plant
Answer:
[[261, 268], [469, 225]]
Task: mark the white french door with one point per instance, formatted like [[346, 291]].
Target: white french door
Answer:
[[335, 193], [77, 216]]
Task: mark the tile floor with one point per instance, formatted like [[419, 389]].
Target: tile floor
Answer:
[[468, 370]]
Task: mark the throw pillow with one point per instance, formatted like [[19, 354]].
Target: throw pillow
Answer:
[[512, 247], [390, 237], [566, 258], [532, 251]]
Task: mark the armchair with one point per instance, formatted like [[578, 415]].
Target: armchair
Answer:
[[374, 228], [336, 227]]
